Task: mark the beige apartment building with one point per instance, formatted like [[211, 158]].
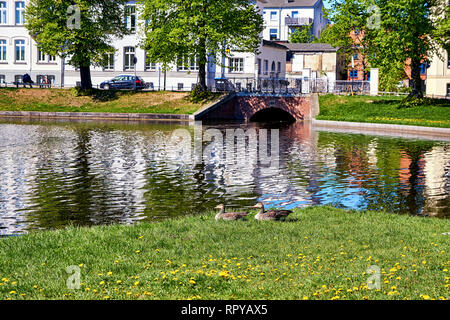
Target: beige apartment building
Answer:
[[438, 78]]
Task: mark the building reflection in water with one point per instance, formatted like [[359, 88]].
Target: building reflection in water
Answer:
[[55, 174]]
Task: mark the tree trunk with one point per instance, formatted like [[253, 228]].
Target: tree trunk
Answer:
[[202, 76], [203, 58], [86, 81], [416, 81]]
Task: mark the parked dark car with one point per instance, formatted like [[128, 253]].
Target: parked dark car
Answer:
[[124, 82]]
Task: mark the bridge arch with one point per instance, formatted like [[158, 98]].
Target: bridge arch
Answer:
[[258, 108], [272, 114]]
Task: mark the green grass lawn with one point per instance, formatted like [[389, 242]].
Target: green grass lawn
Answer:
[[383, 110], [319, 253], [62, 100]]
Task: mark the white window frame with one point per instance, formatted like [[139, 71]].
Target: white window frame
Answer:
[[130, 17], [44, 58], [191, 65], [129, 57], [110, 64], [271, 33], [149, 66], [20, 13], [236, 65], [22, 46], [3, 12], [3, 50], [2, 79], [273, 15]]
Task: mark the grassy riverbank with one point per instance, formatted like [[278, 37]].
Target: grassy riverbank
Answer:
[[320, 253], [383, 110], [58, 100]]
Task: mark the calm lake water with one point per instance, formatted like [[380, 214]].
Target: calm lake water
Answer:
[[53, 174]]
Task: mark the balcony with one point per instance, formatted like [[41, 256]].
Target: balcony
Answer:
[[296, 22]]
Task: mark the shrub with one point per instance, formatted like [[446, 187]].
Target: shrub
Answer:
[[198, 95], [80, 92]]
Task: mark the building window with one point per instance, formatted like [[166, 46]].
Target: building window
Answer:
[[130, 18], [3, 13], [188, 65], [109, 62], [3, 50], [20, 12], [194, 65], [448, 59], [259, 66], [41, 56], [294, 14], [18, 78], [279, 67], [2, 79], [273, 34], [353, 74], [129, 58], [448, 89], [48, 79], [266, 67], [236, 65], [149, 66], [20, 50], [273, 15]]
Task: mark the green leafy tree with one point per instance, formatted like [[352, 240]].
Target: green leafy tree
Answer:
[[82, 31], [392, 34], [302, 35], [347, 31], [185, 31], [407, 33]]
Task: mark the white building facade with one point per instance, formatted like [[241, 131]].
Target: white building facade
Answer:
[[283, 17], [19, 54]]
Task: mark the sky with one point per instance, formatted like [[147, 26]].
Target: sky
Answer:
[[327, 3]]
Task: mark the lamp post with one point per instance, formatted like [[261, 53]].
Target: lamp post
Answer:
[[159, 78], [135, 60]]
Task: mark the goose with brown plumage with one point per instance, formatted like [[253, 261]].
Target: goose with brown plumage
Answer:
[[271, 215], [229, 216]]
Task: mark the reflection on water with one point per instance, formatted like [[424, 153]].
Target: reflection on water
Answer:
[[55, 174]]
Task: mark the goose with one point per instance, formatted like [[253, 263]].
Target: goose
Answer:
[[272, 215], [229, 216]]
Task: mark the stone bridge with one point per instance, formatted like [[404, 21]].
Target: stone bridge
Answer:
[[258, 108]]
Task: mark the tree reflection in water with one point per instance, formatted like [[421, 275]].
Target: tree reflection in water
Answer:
[[55, 174]]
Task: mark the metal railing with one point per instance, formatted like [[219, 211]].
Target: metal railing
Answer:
[[291, 85], [298, 21]]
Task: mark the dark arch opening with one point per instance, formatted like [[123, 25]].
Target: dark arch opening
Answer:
[[272, 115]]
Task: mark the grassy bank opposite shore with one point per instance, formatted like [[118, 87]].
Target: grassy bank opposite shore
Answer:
[[63, 100], [384, 109], [319, 253]]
